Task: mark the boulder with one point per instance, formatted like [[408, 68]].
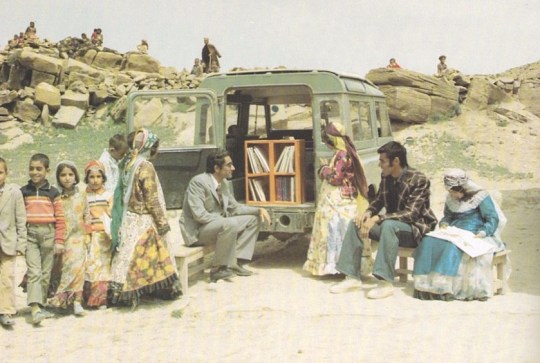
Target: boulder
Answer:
[[87, 79], [26, 111], [118, 110], [7, 97], [40, 62], [68, 117], [514, 113], [47, 94], [98, 96], [149, 112], [107, 60], [79, 100], [39, 77], [89, 56], [142, 63], [529, 95], [407, 104]]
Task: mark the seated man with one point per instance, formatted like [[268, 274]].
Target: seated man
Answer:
[[404, 194], [211, 214]]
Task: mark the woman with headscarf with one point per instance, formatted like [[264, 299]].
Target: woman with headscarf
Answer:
[[343, 191], [142, 261], [441, 270]]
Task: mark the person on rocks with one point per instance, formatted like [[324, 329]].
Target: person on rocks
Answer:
[[392, 64], [31, 32], [12, 242], [442, 67], [404, 195], [73, 254], [211, 215], [209, 55], [143, 47], [197, 69], [143, 262]]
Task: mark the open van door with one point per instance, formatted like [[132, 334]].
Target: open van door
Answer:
[[185, 122]]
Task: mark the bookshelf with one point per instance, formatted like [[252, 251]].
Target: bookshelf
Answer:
[[274, 171]]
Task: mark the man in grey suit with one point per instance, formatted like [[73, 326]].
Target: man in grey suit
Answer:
[[211, 214]]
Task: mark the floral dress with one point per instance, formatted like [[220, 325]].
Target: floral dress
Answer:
[[73, 259], [98, 267], [337, 205]]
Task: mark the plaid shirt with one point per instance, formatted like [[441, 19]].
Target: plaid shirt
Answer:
[[412, 202]]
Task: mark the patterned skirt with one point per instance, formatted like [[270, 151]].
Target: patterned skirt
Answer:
[[143, 264]]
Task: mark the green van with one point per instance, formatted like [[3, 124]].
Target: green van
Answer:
[[229, 109]]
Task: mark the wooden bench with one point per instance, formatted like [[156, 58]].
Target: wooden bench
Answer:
[[187, 255], [499, 262]]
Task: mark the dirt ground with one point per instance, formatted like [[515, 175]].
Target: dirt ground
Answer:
[[283, 314]]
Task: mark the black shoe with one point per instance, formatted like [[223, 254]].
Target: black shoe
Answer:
[[222, 272], [240, 271]]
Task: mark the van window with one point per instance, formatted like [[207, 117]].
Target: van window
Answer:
[[295, 116], [360, 121], [257, 120], [172, 119], [383, 121], [330, 112]]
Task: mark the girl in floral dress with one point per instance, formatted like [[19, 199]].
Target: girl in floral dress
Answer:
[[343, 191], [73, 251], [98, 267]]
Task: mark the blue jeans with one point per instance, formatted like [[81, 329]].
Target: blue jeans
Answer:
[[391, 235]]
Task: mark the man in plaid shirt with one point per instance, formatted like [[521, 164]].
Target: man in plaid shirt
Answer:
[[404, 196]]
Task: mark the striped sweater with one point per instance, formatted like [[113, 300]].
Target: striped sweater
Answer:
[[43, 206]]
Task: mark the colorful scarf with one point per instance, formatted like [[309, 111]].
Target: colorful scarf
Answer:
[[335, 133]]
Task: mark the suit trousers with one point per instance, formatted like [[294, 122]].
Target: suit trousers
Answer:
[[234, 237], [7, 284], [391, 235], [39, 261]]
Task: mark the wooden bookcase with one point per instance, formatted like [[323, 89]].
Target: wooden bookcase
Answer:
[[279, 176]]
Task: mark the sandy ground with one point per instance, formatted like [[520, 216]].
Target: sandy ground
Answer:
[[283, 314]]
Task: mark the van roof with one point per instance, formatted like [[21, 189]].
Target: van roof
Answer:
[[320, 81]]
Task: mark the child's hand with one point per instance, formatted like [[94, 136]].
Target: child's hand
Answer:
[[58, 248]]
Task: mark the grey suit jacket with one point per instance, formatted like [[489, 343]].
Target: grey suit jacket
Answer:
[[201, 206], [12, 221]]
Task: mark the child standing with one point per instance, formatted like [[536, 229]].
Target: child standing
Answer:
[[110, 157], [70, 289], [98, 265], [46, 228], [12, 242]]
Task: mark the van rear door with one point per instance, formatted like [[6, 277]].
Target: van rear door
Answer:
[[185, 122]]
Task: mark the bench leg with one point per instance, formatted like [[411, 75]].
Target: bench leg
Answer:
[[501, 277], [183, 271], [403, 277]]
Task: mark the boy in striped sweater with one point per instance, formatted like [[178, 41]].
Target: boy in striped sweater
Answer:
[[46, 229]]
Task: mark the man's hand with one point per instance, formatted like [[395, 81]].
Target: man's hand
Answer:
[[360, 219], [366, 226], [58, 248], [265, 217]]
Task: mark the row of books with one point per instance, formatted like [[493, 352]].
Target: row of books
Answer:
[[258, 162], [285, 163], [257, 190], [285, 189]]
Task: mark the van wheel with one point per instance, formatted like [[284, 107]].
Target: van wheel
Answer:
[[283, 236]]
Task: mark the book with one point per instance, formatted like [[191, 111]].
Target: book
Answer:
[[464, 240]]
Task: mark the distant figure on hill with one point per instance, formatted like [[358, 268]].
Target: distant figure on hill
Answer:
[[85, 39], [209, 55], [13, 43], [31, 32], [143, 47], [393, 64], [197, 69], [442, 67], [97, 37]]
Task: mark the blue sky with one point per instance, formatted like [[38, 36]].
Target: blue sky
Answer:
[[477, 36]]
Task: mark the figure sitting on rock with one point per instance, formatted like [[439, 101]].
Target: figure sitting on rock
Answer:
[[197, 69], [392, 64], [143, 47], [442, 67], [31, 32]]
